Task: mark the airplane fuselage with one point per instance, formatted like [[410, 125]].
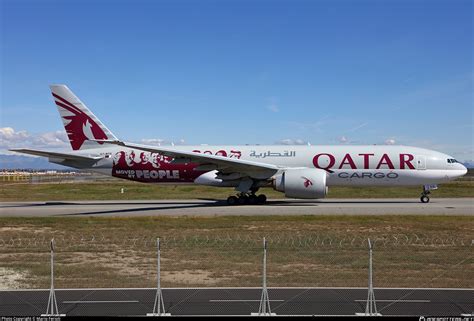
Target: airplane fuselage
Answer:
[[365, 165]]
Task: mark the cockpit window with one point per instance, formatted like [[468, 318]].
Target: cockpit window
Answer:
[[452, 161]]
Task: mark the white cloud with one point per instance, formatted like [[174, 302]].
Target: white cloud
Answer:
[[286, 141], [10, 138], [273, 108], [152, 141], [9, 135], [160, 141], [52, 139], [390, 141], [343, 139], [290, 141], [272, 105]]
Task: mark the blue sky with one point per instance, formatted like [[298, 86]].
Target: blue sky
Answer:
[[244, 72]]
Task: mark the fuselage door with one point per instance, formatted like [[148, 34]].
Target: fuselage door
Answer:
[[420, 162]]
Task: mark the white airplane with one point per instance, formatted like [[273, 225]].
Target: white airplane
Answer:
[[303, 172]]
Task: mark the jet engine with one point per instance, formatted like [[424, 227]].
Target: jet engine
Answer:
[[302, 183]]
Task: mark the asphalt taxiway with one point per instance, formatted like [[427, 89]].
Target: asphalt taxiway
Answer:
[[240, 301], [200, 207]]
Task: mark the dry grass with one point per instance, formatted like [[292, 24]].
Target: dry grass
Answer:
[[410, 251]]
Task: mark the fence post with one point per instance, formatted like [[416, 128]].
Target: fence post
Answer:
[[371, 306], [52, 308], [159, 306], [264, 309]]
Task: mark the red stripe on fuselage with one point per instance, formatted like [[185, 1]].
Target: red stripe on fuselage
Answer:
[[165, 173]]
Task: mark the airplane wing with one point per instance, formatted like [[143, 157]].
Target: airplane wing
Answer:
[[65, 156], [208, 162]]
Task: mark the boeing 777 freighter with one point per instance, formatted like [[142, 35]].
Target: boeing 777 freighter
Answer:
[[303, 172]]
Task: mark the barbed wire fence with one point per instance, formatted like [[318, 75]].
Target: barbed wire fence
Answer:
[[310, 259], [223, 240]]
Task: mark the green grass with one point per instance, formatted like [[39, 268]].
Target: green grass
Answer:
[[111, 190], [410, 251]]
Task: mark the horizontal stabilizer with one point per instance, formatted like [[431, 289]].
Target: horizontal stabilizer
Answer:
[[66, 156]]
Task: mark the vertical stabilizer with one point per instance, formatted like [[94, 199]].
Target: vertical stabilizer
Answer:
[[80, 123]]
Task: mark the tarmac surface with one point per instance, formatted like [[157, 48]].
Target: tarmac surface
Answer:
[[240, 301], [200, 207]]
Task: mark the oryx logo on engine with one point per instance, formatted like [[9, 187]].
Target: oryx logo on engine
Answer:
[[307, 182]]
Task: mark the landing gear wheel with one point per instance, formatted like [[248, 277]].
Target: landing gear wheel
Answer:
[[243, 199], [261, 199], [232, 200], [253, 199], [425, 199]]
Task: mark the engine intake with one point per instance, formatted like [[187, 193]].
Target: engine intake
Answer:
[[302, 183]]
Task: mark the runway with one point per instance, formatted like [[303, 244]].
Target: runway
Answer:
[[239, 301], [200, 207]]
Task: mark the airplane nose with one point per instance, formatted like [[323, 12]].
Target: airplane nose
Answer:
[[464, 170]]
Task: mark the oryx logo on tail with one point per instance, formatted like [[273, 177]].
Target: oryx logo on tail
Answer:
[[79, 126], [82, 127]]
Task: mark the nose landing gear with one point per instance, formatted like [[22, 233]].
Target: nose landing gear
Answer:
[[424, 198]]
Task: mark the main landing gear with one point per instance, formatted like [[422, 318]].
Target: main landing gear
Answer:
[[247, 198]]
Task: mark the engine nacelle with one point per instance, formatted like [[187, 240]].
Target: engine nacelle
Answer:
[[302, 183]]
